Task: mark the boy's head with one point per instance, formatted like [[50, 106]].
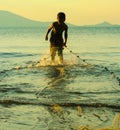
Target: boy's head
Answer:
[[61, 17]]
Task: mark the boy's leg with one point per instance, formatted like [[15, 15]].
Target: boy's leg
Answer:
[[60, 55], [53, 53]]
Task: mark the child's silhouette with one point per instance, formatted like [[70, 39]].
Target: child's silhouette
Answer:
[[57, 41]]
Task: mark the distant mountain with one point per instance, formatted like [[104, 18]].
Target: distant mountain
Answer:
[[8, 19], [104, 24]]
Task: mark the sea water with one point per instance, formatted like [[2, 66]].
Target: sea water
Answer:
[[85, 91]]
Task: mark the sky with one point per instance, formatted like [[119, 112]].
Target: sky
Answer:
[[78, 12]]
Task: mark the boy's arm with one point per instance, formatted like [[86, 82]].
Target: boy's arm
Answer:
[[65, 36], [49, 29]]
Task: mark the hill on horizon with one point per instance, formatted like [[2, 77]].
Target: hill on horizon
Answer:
[[8, 19], [103, 24]]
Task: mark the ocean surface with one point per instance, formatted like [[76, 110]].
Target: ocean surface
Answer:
[[85, 91]]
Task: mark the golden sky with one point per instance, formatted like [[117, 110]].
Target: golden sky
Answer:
[[79, 12]]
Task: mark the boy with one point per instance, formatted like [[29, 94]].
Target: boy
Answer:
[[56, 40]]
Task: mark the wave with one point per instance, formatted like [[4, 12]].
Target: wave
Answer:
[[14, 54], [23, 101]]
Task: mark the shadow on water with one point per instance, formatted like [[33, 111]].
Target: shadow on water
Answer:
[[57, 85]]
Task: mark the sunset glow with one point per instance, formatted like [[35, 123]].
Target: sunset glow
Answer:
[[79, 12]]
